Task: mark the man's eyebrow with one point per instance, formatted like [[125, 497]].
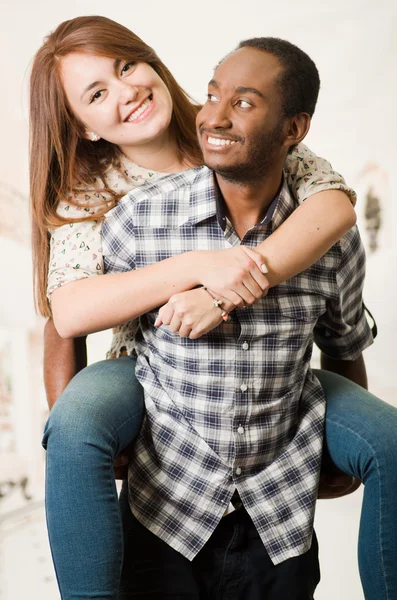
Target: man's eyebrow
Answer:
[[249, 90], [92, 85], [240, 89]]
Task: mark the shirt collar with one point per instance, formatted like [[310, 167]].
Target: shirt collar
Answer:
[[279, 209], [206, 201]]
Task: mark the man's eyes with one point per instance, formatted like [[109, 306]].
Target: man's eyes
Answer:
[[243, 104], [240, 103]]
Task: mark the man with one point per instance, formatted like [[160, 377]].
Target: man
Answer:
[[236, 415]]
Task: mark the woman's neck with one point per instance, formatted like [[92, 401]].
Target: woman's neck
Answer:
[[157, 155]]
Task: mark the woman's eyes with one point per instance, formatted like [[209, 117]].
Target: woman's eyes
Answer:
[[96, 96], [127, 67]]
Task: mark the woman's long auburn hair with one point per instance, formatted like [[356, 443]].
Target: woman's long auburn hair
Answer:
[[61, 159]]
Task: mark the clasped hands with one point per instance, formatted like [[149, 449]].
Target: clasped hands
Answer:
[[235, 276]]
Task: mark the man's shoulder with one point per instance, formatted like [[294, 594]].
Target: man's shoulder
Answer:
[[345, 258], [165, 185], [161, 203]]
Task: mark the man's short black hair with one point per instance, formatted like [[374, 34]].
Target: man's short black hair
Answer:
[[299, 82]]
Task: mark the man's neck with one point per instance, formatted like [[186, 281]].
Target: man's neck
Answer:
[[247, 203]]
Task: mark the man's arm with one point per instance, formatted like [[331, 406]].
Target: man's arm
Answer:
[[62, 360], [351, 369]]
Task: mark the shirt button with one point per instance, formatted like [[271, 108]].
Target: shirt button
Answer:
[[245, 346], [238, 471], [240, 429], [243, 387]]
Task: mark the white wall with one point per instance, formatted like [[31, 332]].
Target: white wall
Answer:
[[355, 47]]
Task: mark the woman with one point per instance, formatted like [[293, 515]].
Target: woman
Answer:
[[94, 79]]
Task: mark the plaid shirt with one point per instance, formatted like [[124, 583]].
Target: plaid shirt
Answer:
[[238, 408]]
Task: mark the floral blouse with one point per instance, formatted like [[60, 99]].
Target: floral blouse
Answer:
[[76, 248]]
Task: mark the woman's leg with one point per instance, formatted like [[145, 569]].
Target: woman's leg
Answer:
[[361, 437], [97, 416]]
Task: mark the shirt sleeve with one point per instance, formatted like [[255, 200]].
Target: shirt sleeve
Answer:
[[75, 249], [343, 331], [308, 174], [118, 239]]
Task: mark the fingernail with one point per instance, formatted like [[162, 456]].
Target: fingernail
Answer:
[[264, 268]]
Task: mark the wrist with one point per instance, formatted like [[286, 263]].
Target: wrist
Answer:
[[196, 266]]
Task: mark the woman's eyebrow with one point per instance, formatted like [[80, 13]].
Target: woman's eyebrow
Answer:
[[116, 65]]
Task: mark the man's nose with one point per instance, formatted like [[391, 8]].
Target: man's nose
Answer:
[[218, 116]]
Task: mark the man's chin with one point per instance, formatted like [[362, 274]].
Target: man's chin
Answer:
[[218, 165], [230, 172]]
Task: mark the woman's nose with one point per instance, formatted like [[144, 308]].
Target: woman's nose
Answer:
[[128, 93]]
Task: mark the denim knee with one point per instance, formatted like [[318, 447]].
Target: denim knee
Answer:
[[101, 402]]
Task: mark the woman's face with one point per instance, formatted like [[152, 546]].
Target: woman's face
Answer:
[[123, 102]]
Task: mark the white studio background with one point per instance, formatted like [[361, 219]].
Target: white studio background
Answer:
[[355, 127]]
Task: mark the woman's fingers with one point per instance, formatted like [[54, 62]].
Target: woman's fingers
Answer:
[[185, 329], [233, 297], [175, 323], [259, 272], [256, 257], [165, 315], [209, 321]]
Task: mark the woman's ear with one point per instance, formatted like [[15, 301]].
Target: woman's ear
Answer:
[[90, 135], [298, 127]]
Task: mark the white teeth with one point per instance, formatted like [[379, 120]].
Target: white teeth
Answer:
[[220, 142], [140, 110]]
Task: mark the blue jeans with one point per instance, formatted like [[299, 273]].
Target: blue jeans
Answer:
[[100, 413]]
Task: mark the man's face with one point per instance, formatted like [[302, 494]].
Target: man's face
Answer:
[[241, 127]]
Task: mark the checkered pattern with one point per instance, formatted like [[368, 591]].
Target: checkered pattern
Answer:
[[239, 407]]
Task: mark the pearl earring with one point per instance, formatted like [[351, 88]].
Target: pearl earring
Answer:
[[95, 137]]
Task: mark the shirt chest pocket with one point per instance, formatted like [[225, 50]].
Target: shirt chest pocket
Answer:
[[298, 314]]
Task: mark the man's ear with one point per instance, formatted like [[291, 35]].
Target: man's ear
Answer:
[[297, 129]]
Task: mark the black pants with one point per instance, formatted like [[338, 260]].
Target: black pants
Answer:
[[233, 565]]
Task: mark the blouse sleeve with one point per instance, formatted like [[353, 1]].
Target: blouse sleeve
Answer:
[[75, 249], [308, 174]]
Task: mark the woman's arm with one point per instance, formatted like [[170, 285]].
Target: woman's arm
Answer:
[[307, 235], [96, 303], [325, 214]]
